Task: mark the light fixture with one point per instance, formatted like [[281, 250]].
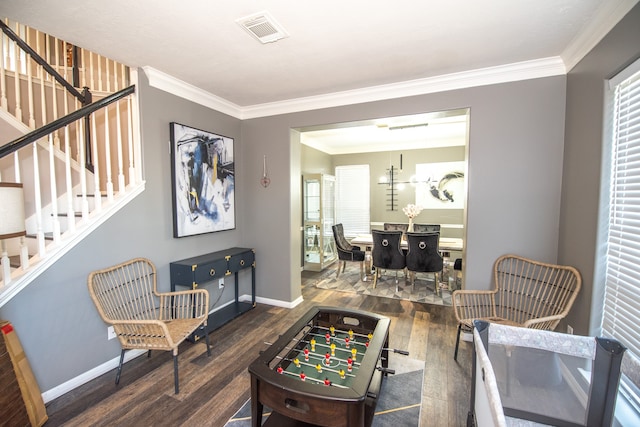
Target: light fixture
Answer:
[[11, 210], [11, 220], [265, 181], [402, 127]]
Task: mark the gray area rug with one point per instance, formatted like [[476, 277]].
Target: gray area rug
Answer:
[[350, 281], [398, 405]]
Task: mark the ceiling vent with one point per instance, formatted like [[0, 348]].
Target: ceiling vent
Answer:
[[263, 27]]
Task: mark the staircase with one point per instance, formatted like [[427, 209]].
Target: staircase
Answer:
[[69, 133]]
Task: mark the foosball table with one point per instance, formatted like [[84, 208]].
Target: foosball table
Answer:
[[326, 370]]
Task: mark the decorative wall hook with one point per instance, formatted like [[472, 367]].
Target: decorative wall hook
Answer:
[[265, 181]]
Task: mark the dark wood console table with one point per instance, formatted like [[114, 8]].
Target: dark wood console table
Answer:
[[202, 269]]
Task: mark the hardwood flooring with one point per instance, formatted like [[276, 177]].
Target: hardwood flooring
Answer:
[[213, 388]]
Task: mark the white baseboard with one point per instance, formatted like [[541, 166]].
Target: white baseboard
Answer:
[[81, 379], [73, 383]]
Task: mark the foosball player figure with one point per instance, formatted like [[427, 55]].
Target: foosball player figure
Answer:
[[306, 354], [328, 338], [333, 331], [313, 344], [342, 374], [354, 353], [346, 342], [296, 362], [319, 368], [333, 349], [302, 376], [351, 334], [327, 382], [280, 370], [349, 364], [327, 359]]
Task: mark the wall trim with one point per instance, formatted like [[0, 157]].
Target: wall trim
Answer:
[[525, 70], [91, 374]]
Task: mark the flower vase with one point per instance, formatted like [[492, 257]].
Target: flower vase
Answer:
[[410, 227]]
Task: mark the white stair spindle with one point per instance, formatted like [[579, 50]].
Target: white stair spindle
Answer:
[[4, 42], [83, 172], [121, 183], [71, 217], [107, 156], [132, 172], [55, 218], [38, 202], [96, 168], [32, 119], [16, 82]]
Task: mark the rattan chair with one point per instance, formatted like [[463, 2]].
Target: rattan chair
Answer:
[[127, 298], [527, 293]]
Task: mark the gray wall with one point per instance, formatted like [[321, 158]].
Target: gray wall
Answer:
[[515, 173], [57, 323], [581, 188]]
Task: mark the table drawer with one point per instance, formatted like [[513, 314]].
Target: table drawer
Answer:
[[241, 261], [210, 270]]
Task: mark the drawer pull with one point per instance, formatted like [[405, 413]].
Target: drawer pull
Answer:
[[242, 262], [212, 272]]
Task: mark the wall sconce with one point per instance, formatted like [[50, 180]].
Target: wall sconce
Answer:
[[264, 181], [12, 222]]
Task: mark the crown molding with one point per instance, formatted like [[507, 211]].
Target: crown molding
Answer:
[[177, 87], [607, 16], [525, 70]]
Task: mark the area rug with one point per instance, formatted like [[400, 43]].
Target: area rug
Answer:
[[398, 405], [350, 281]]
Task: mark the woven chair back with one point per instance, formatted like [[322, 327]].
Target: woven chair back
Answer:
[[529, 289], [126, 291]]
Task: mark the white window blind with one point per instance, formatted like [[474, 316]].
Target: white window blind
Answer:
[[352, 199], [621, 310]]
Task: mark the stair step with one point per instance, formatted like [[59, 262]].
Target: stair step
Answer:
[[14, 261]]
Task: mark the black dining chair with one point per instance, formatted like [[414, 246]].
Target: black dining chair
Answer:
[[426, 228], [392, 226], [346, 251], [423, 256], [386, 253]]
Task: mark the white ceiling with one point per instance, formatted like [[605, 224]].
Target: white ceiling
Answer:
[[335, 50]]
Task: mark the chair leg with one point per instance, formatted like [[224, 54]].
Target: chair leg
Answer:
[[455, 353], [175, 373], [375, 277], [120, 366], [362, 276], [344, 263], [206, 341]]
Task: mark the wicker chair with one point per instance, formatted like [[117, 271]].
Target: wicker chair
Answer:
[[527, 293], [127, 298]]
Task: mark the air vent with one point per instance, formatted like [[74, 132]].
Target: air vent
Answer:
[[263, 27]]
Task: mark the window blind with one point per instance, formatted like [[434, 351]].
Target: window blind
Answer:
[[352, 199], [621, 309]]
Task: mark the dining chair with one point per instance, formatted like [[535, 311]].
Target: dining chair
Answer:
[[423, 256], [426, 228], [387, 253], [346, 251], [127, 298], [392, 226]]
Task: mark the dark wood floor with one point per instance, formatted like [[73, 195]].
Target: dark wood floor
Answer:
[[213, 388]]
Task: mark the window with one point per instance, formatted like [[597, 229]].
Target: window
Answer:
[[621, 308], [352, 199]]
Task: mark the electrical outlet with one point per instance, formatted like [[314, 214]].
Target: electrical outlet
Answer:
[[111, 334], [220, 283], [569, 329]]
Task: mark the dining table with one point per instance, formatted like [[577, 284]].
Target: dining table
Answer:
[[445, 244]]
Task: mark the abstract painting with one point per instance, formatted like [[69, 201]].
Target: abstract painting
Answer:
[[202, 175]]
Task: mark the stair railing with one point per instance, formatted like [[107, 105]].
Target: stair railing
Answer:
[[81, 191]]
